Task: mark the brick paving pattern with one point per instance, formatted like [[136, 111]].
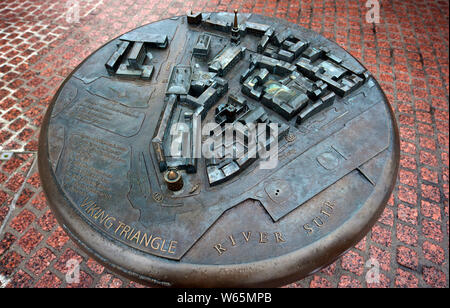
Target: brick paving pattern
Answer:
[[407, 52]]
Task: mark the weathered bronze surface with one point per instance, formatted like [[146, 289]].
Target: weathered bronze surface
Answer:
[[172, 220]]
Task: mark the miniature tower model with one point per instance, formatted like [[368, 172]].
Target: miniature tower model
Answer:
[[235, 37]]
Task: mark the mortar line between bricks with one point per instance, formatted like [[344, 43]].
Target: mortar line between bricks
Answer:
[[17, 195], [370, 243], [397, 201], [424, 262]]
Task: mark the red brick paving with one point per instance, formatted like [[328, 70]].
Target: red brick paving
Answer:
[[407, 52]]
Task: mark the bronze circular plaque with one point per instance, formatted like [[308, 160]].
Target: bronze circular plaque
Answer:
[[218, 150]]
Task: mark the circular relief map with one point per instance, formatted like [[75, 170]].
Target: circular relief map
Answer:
[[218, 149]]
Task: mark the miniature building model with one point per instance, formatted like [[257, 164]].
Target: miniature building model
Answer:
[[286, 74], [222, 147]]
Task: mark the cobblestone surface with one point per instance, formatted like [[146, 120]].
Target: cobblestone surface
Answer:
[[407, 52]]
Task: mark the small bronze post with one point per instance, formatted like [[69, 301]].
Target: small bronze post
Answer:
[[235, 36], [173, 179]]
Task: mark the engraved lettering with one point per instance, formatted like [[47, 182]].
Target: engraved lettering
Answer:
[[128, 237], [145, 239], [107, 115], [233, 242], [325, 213], [263, 237], [89, 206], [101, 216], [278, 237], [318, 221], [329, 204], [121, 224], [125, 230], [109, 222], [220, 249], [172, 247], [153, 241], [91, 210], [86, 202], [247, 236], [162, 246], [136, 236], [308, 228]]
